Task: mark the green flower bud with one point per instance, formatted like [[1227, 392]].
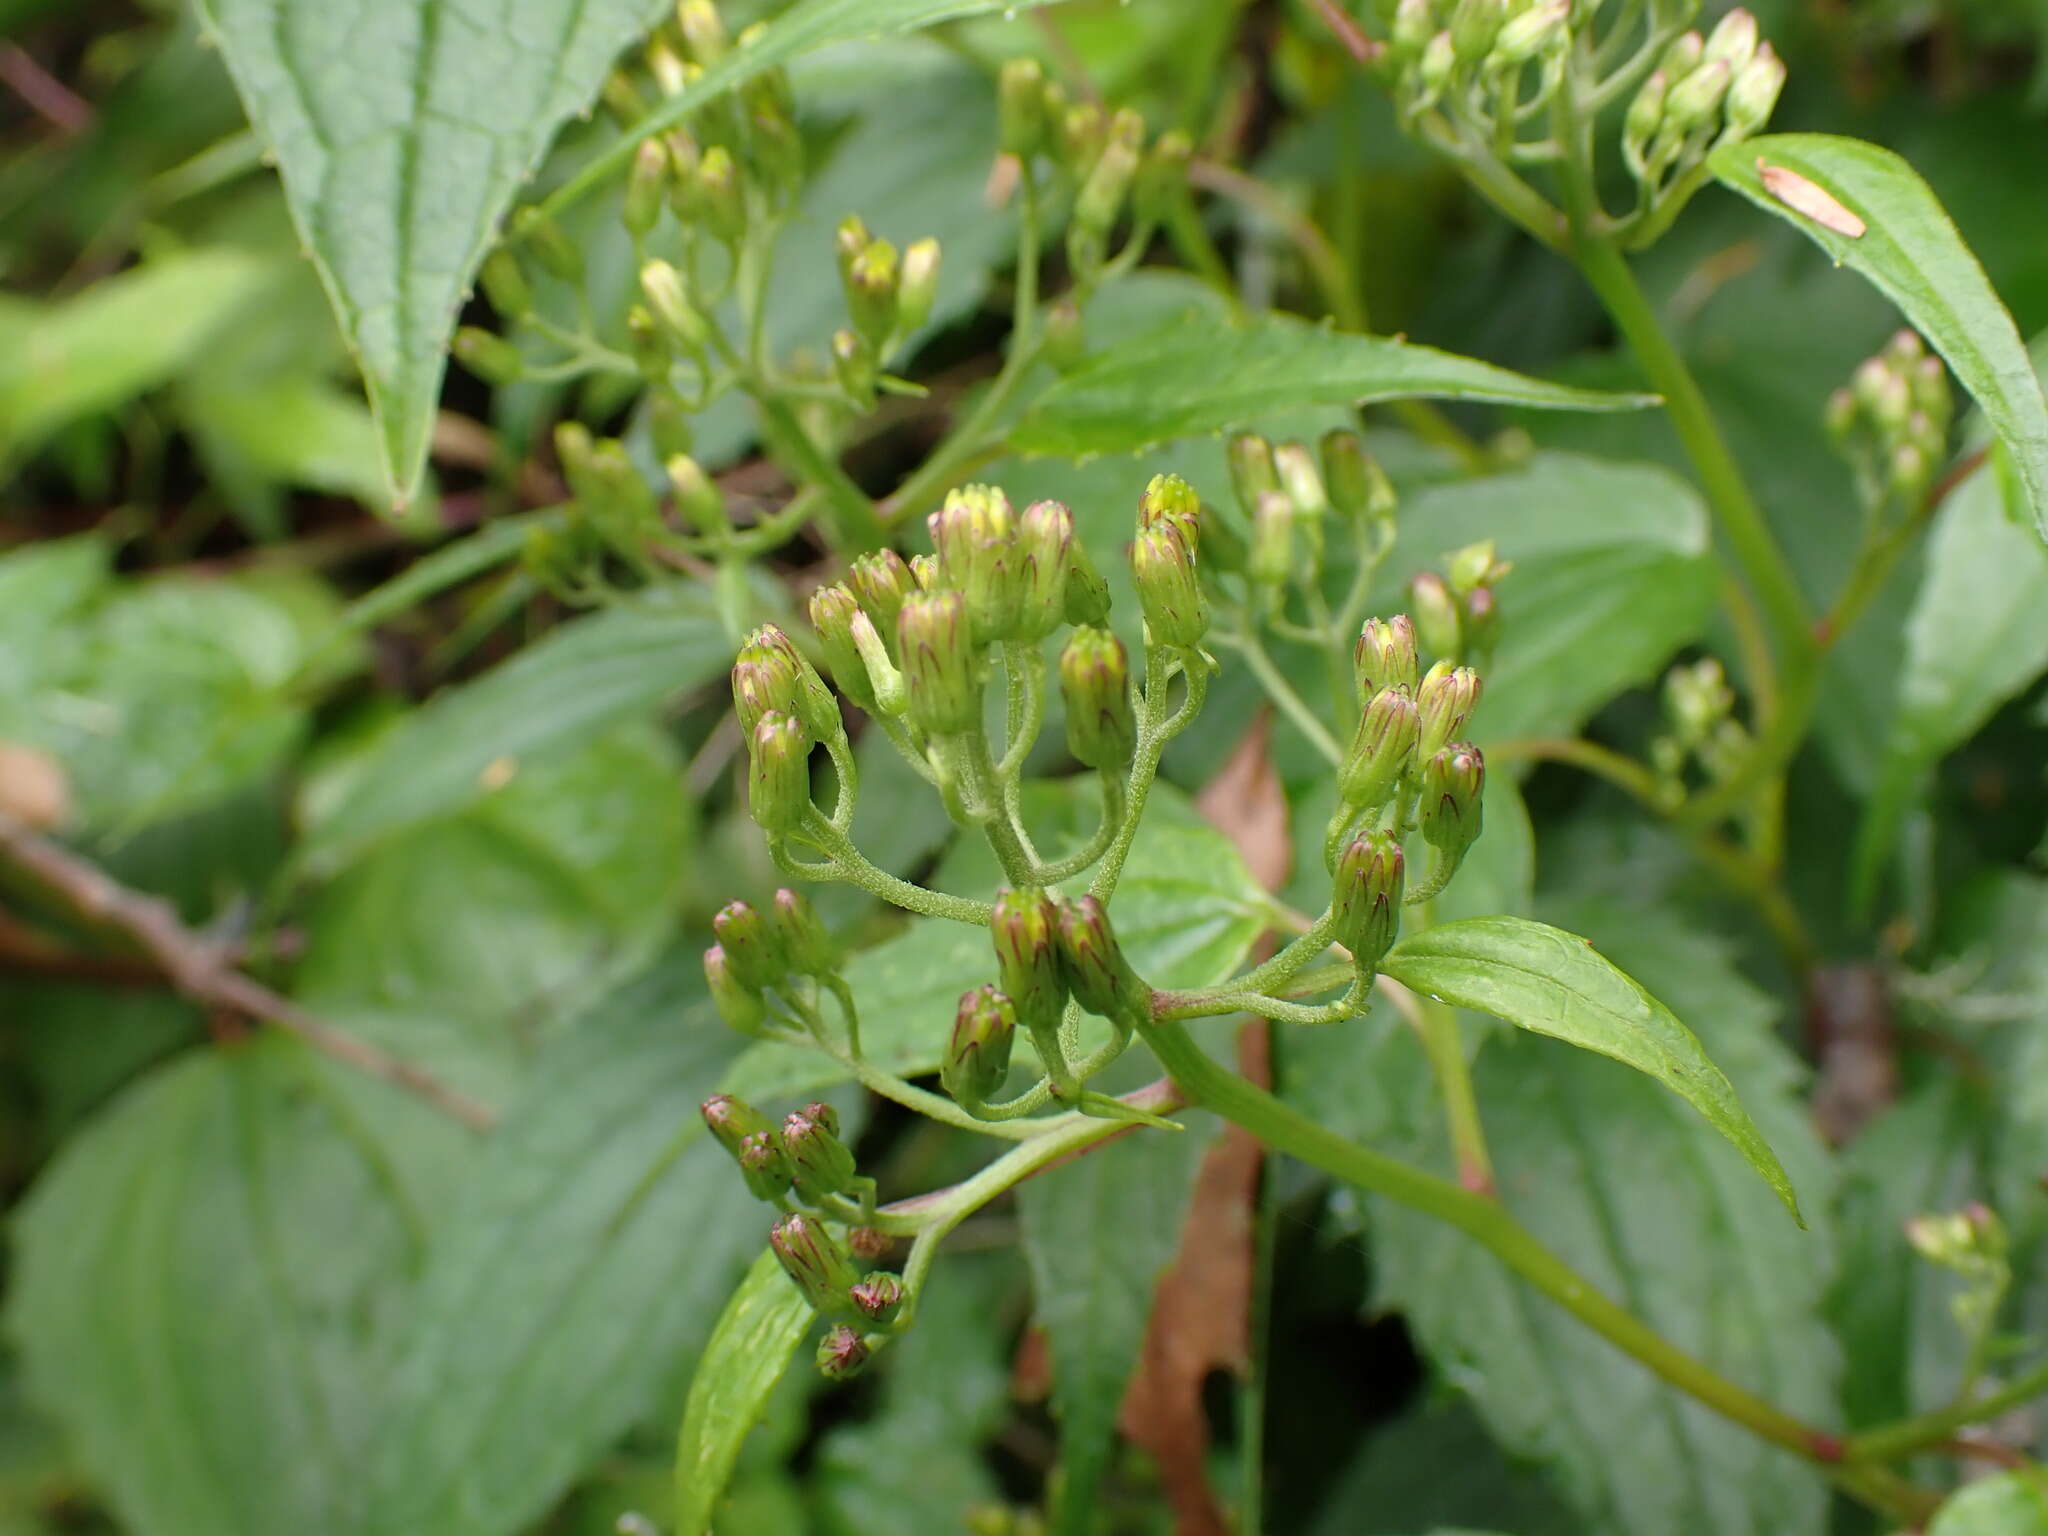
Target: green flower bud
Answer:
[[1080, 132], [1162, 177], [1095, 686], [622, 99], [1447, 697], [1697, 699], [855, 367], [1682, 56], [668, 428], [842, 1353], [924, 574], [1025, 931], [1839, 416], [1020, 108], [742, 1007], [1270, 562], [1482, 623], [715, 195], [1536, 31], [1891, 404], [879, 1297], [824, 1114], [1436, 613], [1869, 382], [703, 32], [766, 1168], [555, 251], [1066, 347], [1645, 116], [1170, 499], [1474, 566], [1474, 26], [816, 1260], [671, 72], [918, 288], [1163, 565], [648, 343], [732, 1120], [883, 677], [1365, 898], [1695, 100], [1753, 93], [668, 297], [1093, 964], [849, 239], [1044, 544], [1359, 488], [1911, 472], [505, 285], [754, 951], [1382, 751], [1252, 470], [833, 610], [810, 700], [975, 536], [818, 1159], [490, 357], [779, 773], [977, 1056], [1099, 202], [647, 186], [1385, 656], [872, 282], [697, 496], [1452, 808], [1087, 598], [1734, 39], [884, 583], [1300, 479], [1927, 382], [941, 667], [803, 939], [1414, 23], [1433, 70]]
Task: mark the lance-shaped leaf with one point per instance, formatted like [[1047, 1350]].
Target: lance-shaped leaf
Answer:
[[1907, 246], [1183, 378], [1555, 983]]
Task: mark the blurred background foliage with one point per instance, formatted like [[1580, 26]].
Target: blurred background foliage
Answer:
[[258, 1291]]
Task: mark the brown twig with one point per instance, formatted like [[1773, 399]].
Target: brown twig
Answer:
[[199, 970], [44, 94], [1356, 43]]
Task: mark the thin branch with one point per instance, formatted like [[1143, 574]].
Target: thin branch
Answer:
[[1356, 43], [198, 968], [43, 93]]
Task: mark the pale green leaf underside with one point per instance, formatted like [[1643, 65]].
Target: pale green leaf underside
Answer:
[[1550, 982], [2011, 1505], [756, 1337], [1911, 251], [1191, 376]]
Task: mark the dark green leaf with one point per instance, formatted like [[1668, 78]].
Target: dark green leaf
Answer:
[[1436, 1463], [1099, 1233], [2014, 1504], [1912, 252], [756, 1337], [209, 1280], [1183, 379], [553, 695], [580, 1269], [1654, 1209], [1554, 983]]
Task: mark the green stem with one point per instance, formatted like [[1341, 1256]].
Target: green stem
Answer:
[[1081, 858], [1888, 1442], [1157, 729], [851, 865], [854, 524], [1489, 1223], [1446, 1051], [1247, 644]]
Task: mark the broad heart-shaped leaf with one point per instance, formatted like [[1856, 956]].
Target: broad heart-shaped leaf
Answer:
[[1555, 983], [1647, 1203], [402, 129], [209, 1277], [1613, 573], [1189, 377], [1912, 252], [554, 694], [2010, 1505], [1978, 636], [756, 1337], [1099, 1233], [580, 1268], [1186, 912]]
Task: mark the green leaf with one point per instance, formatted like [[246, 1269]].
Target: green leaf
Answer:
[[208, 1281], [756, 1337], [1613, 573], [1655, 1210], [1181, 379], [1911, 251], [552, 695], [295, 431], [402, 129], [578, 1273], [1554, 983], [1187, 912], [1099, 1233], [2013, 1504], [1978, 635], [1434, 1463], [123, 335]]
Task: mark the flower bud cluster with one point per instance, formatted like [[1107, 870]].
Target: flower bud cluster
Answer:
[[1104, 157], [1457, 613], [784, 710], [1891, 421], [758, 957], [1700, 729], [1720, 88], [1292, 497], [614, 514], [1478, 51]]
